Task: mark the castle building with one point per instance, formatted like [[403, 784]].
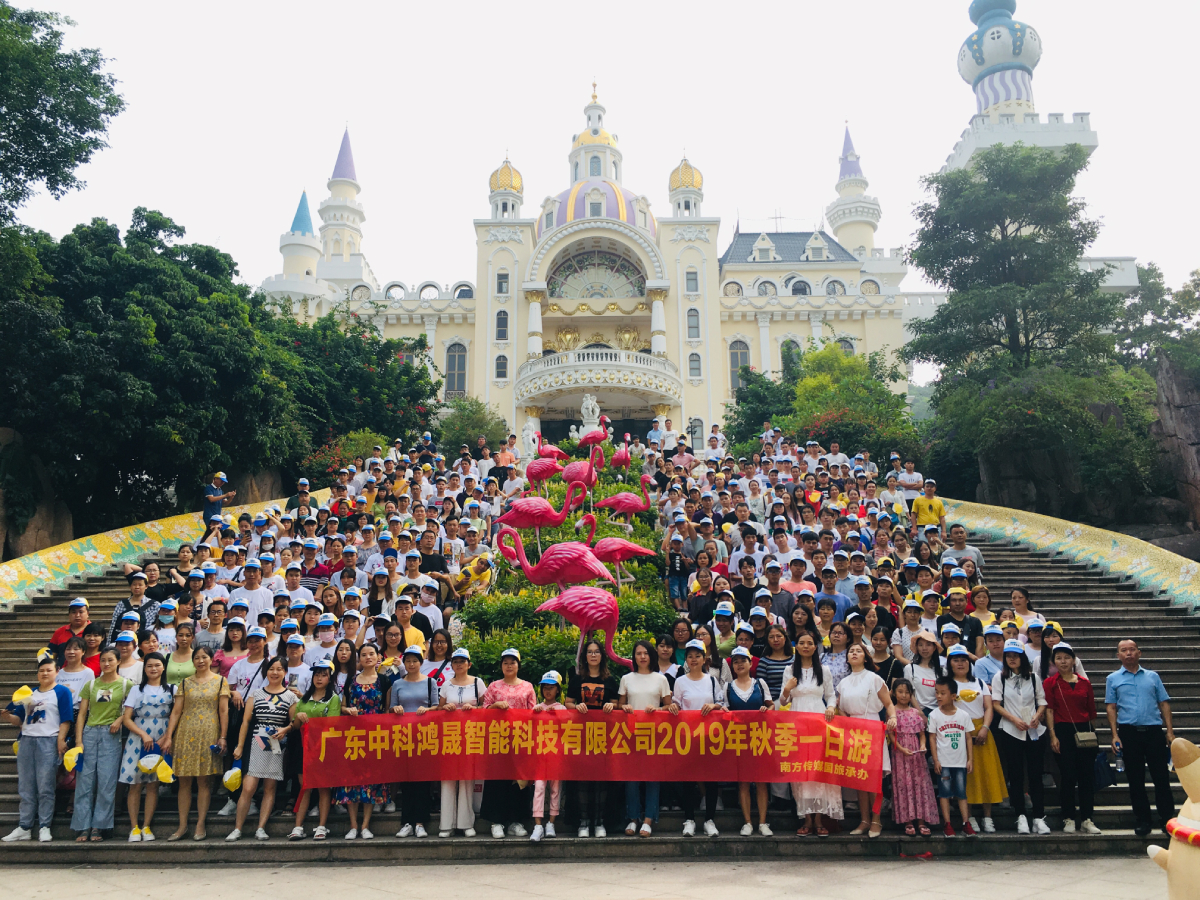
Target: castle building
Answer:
[[591, 293]]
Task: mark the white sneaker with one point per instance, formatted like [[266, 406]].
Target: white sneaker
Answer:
[[989, 827], [710, 828], [1040, 826], [296, 834], [18, 834], [1069, 826], [445, 834], [584, 831], [406, 831], [689, 828], [234, 835], [1022, 825], [421, 832], [376, 807], [516, 829], [469, 832], [352, 834], [44, 835], [498, 832], [974, 824], [391, 807], [765, 830], [320, 833], [366, 834], [135, 836], [147, 835], [747, 830], [228, 809], [1089, 827], [312, 813], [550, 832], [538, 833], [253, 811], [261, 835]]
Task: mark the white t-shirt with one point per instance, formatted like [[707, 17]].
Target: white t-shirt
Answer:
[[244, 676], [645, 690], [299, 677], [300, 593], [166, 640], [315, 652], [970, 697], [133, 671], [924, 682], [44, 713], [911, 485], [75, 682], [433, 613], [693, 694], [951, 733]]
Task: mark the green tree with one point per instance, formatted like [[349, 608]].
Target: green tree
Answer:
[[1155, 315], [1004, 237], [467, 419], [55, 107]]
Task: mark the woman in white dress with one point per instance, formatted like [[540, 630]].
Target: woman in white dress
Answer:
[[810, 689], [863, 695]]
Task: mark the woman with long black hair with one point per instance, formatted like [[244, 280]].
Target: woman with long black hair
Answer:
[[810, 690], [592, 688], [1020, 700], [268, 710]]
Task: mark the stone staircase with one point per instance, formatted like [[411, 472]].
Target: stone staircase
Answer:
[[1094, 608]]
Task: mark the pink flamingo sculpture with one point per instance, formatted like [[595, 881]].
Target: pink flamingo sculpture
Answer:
[[597, 437], [626, 503], [541, 470], [589, 608], [612, 549], [584, 470], [567, 563], [534, 512], [621, 458], [549, 451]]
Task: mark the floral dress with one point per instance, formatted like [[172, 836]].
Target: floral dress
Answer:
[[199, 727], [912, 791], [839, 668], [368, 699], [151, 712]]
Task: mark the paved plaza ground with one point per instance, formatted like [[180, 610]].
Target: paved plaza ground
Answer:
[[1135, 878]]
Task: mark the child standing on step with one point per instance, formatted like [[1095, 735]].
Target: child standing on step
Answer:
[[952, 753], [551, 690], [913, 802]]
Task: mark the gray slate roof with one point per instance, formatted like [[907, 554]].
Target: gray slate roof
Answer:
[[789, 246]]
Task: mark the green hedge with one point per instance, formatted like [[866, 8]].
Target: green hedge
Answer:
[[497, 612], [541, 649]]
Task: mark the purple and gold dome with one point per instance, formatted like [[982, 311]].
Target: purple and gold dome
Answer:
[[618, 203]]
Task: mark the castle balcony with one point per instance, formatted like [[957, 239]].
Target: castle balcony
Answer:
[[614, 376]]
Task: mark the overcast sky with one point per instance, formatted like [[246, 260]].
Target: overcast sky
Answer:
[[234, 108]]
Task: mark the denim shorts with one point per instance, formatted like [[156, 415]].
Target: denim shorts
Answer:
[[952, 783]]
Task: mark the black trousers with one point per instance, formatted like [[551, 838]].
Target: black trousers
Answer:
[[416, 799], [1021, 760], [593, 799], [1077, 769], [690, 792], [1146, 747]]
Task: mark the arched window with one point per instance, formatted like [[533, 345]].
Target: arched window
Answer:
[[766, 289], [464, 293], [694, 365], [800, 288], [739, 355], [696, 432], [594, 167], [835, 289], [847, 346], [870, 287], [502, 326], [456, 371], [693, 324], [790, 347], [616, 176], [576, 171], [501, 366]]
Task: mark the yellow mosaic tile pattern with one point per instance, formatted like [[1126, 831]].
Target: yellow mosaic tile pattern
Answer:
[[53, 567], [1152, 567]]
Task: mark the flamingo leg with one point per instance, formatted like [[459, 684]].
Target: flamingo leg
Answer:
[[538, 532]]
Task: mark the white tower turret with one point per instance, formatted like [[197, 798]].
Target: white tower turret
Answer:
[[342, 259], [594, 153], [853, 216], [299, 246], [685, 190], [507, 190]]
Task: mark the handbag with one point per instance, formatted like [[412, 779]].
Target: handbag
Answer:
[[1084, 740]]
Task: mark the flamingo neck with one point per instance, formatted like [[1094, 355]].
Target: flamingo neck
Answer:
[[518, 548], [591, 520], [566, 507], [645, 494], [596, 448]]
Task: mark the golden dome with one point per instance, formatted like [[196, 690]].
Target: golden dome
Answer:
[[685, 175], [595, 136], [506, 178]]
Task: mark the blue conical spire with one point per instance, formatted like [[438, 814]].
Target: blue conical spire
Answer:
[[302, 222], [849, 160], [344, 167]]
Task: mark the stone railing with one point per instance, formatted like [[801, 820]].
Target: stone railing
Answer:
[[1152, 567], [653, 377], [27, 576]]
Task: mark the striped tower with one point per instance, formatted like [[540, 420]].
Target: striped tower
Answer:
[[998, 59]]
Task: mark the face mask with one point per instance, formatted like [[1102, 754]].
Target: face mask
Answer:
[[165, 618]]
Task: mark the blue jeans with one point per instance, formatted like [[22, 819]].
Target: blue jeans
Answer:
[[634, 811], [96, 779], [37, 766], [677, 587]]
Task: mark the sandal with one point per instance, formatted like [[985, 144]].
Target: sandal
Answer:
[[876, 829], [909, 830], [924, 829], [82, 839], [803, 831], [822, 831], [863, 828], [96, 837]]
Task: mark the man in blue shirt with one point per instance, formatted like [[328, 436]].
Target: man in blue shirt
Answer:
[[829, 590], [1138, 707], [215, 496]]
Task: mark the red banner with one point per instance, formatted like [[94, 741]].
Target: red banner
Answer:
[[521, 745]]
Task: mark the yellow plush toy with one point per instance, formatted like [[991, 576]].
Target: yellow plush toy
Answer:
[[1182, 860]]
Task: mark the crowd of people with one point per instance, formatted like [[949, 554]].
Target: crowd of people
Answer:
[[803, 580]]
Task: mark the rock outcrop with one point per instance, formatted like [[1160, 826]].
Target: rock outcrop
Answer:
[[50, 524], [257, 488], [1178, 430]]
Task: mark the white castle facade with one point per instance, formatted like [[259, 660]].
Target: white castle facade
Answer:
[[591, 293]]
